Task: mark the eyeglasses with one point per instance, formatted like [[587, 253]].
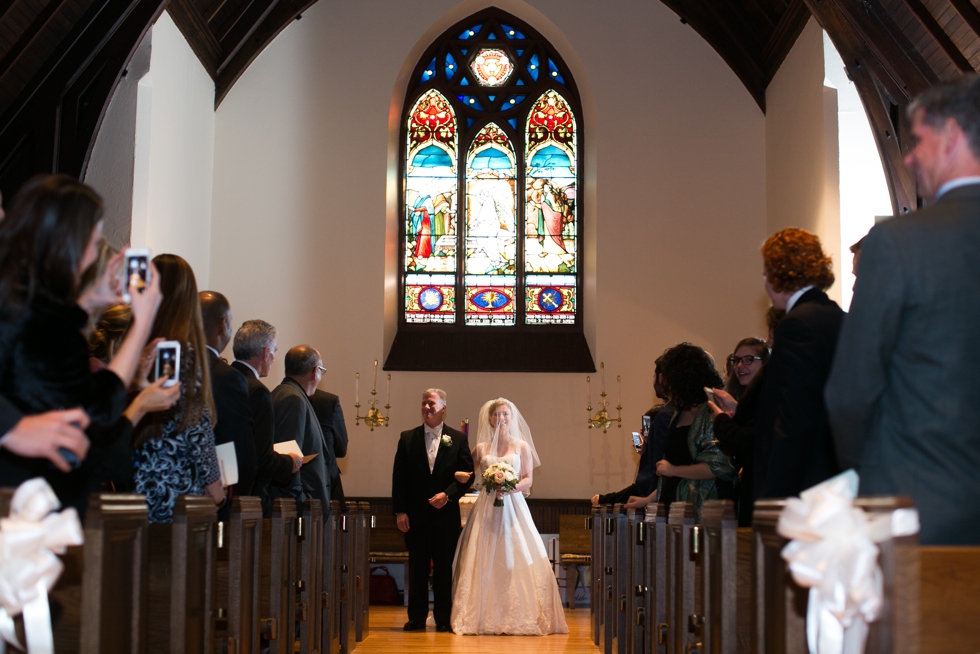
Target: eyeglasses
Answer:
[[321, 369], [745, 361]]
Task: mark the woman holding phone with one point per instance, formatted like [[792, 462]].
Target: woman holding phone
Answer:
[[175, 449], [47, 242]]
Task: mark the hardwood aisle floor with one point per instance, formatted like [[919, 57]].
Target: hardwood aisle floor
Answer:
[[387, 636]]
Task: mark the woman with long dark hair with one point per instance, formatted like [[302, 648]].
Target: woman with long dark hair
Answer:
[[47, 241], [175, 449]]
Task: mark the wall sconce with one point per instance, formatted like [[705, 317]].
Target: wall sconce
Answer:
[[601, 419], [373, 418]]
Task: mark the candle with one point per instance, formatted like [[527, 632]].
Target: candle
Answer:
[[388, 393], [619, 382], [588, 383], [357, 378], [375, 389]]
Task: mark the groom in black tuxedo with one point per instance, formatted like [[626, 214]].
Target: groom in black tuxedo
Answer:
[[425, 496]]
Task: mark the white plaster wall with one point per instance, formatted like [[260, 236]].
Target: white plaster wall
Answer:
[[174, 152], [298, 227], [802, 183]]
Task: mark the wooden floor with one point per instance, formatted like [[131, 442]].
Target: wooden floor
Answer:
[[387, 636]]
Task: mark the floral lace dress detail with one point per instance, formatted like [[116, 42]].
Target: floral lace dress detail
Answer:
[[502, 578]]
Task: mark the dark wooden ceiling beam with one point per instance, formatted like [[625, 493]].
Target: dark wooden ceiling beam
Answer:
[[34, 30], [194, 27], [863, 68], [222, 30], [783, 38], [212, 9], [939, 35], [706, 23], [968, 12], [244, 28], [5, 6]]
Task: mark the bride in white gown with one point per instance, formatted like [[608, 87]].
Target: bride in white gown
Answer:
[[502, 578]]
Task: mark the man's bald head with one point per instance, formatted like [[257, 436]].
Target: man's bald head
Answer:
[[216, 317], [303, 364]]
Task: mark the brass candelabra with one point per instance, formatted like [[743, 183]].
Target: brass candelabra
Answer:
[[374, 417], [602, 420]]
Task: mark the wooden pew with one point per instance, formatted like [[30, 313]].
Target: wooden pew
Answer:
[[727, 580], [781, 604], [343, 595], [99, 604], [623, 586], [329, 620], [277, 606], [309, 561], [637, 591], [362, 565], [607, 626], [950, 605], [182, 579], [574, 550], [655, 627], [596, 525], [238, 559], [684, 616]]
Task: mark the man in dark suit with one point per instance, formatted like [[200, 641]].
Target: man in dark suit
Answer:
[[296, 420], [230, 391], [793, 446], [902, 393], [331, 418], [255, 351], [425, 497]]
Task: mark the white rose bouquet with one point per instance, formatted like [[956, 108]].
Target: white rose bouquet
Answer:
[[499, 476]]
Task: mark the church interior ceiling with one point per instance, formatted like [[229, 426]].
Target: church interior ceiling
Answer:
[[60, 60]]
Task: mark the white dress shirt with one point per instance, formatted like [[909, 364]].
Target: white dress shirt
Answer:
[[432, 438], [250, 367], [955, 183], [796, 296]]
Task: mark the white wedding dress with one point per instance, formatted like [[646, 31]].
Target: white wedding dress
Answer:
[[502, 579]]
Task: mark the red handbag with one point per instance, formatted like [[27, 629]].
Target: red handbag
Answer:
[[382, 588]]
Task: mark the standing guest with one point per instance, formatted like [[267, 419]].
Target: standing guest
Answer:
[[901, 395], [744, 363], [230, 391], [175, 449], [856, 255], [331, 417], [793, 447], [425, 495], [735, 418], [46, 244], [255, 351], [296, 420], [651, 451]]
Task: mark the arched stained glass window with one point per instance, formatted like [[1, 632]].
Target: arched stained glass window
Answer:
[[491, 231]]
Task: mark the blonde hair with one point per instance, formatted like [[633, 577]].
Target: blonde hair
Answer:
[[435, 391]]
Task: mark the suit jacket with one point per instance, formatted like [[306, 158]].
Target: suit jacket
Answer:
[[793, 446], [902, 392], [271, 467], [9, 415], [412, 484], [296, 420], [331, 418], [234, 425]]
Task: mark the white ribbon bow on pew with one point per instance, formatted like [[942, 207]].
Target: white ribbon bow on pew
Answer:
[[832, 552], [29, 541]]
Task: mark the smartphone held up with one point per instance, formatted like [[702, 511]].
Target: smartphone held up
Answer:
[[136, 271], [168, 362]]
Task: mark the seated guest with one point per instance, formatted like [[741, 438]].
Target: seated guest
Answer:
[[651, 451], [793, 447], [331, 417], [296, 420], [230, 391], [745, 361], [46, 243], [693, 468], [255, 351], [175, 448], [735, 417]]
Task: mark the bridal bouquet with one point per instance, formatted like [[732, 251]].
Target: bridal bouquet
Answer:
[[499, 476]]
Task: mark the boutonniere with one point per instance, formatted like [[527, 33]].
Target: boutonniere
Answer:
[[445, 441]]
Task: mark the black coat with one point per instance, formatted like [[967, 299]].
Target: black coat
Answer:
[[331, 416], [735, 436], [234, 421], [44, 366], [794, 448], [412, 484], [271, 467]]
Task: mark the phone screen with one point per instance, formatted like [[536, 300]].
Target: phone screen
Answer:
[[137, 267], [167, 364], [637, 442]]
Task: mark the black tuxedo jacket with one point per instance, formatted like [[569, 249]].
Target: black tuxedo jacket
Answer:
[[271, 467], [331, 417], [794, 448], [412, 484], [230, 390]]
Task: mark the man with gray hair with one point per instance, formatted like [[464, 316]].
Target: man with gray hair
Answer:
[[900, 395], [255, 351], [296, 420]]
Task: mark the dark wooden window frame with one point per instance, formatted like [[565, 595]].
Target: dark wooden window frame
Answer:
[[520, 347]]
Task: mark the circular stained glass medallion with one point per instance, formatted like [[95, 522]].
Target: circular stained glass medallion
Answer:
[[490, 299], [430, 298], [550, 299], [492, 67]]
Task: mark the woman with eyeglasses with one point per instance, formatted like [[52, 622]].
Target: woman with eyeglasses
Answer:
[[750, 355], [175, 452]]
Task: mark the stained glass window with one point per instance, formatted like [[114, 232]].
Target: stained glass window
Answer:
[[492, 172]]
